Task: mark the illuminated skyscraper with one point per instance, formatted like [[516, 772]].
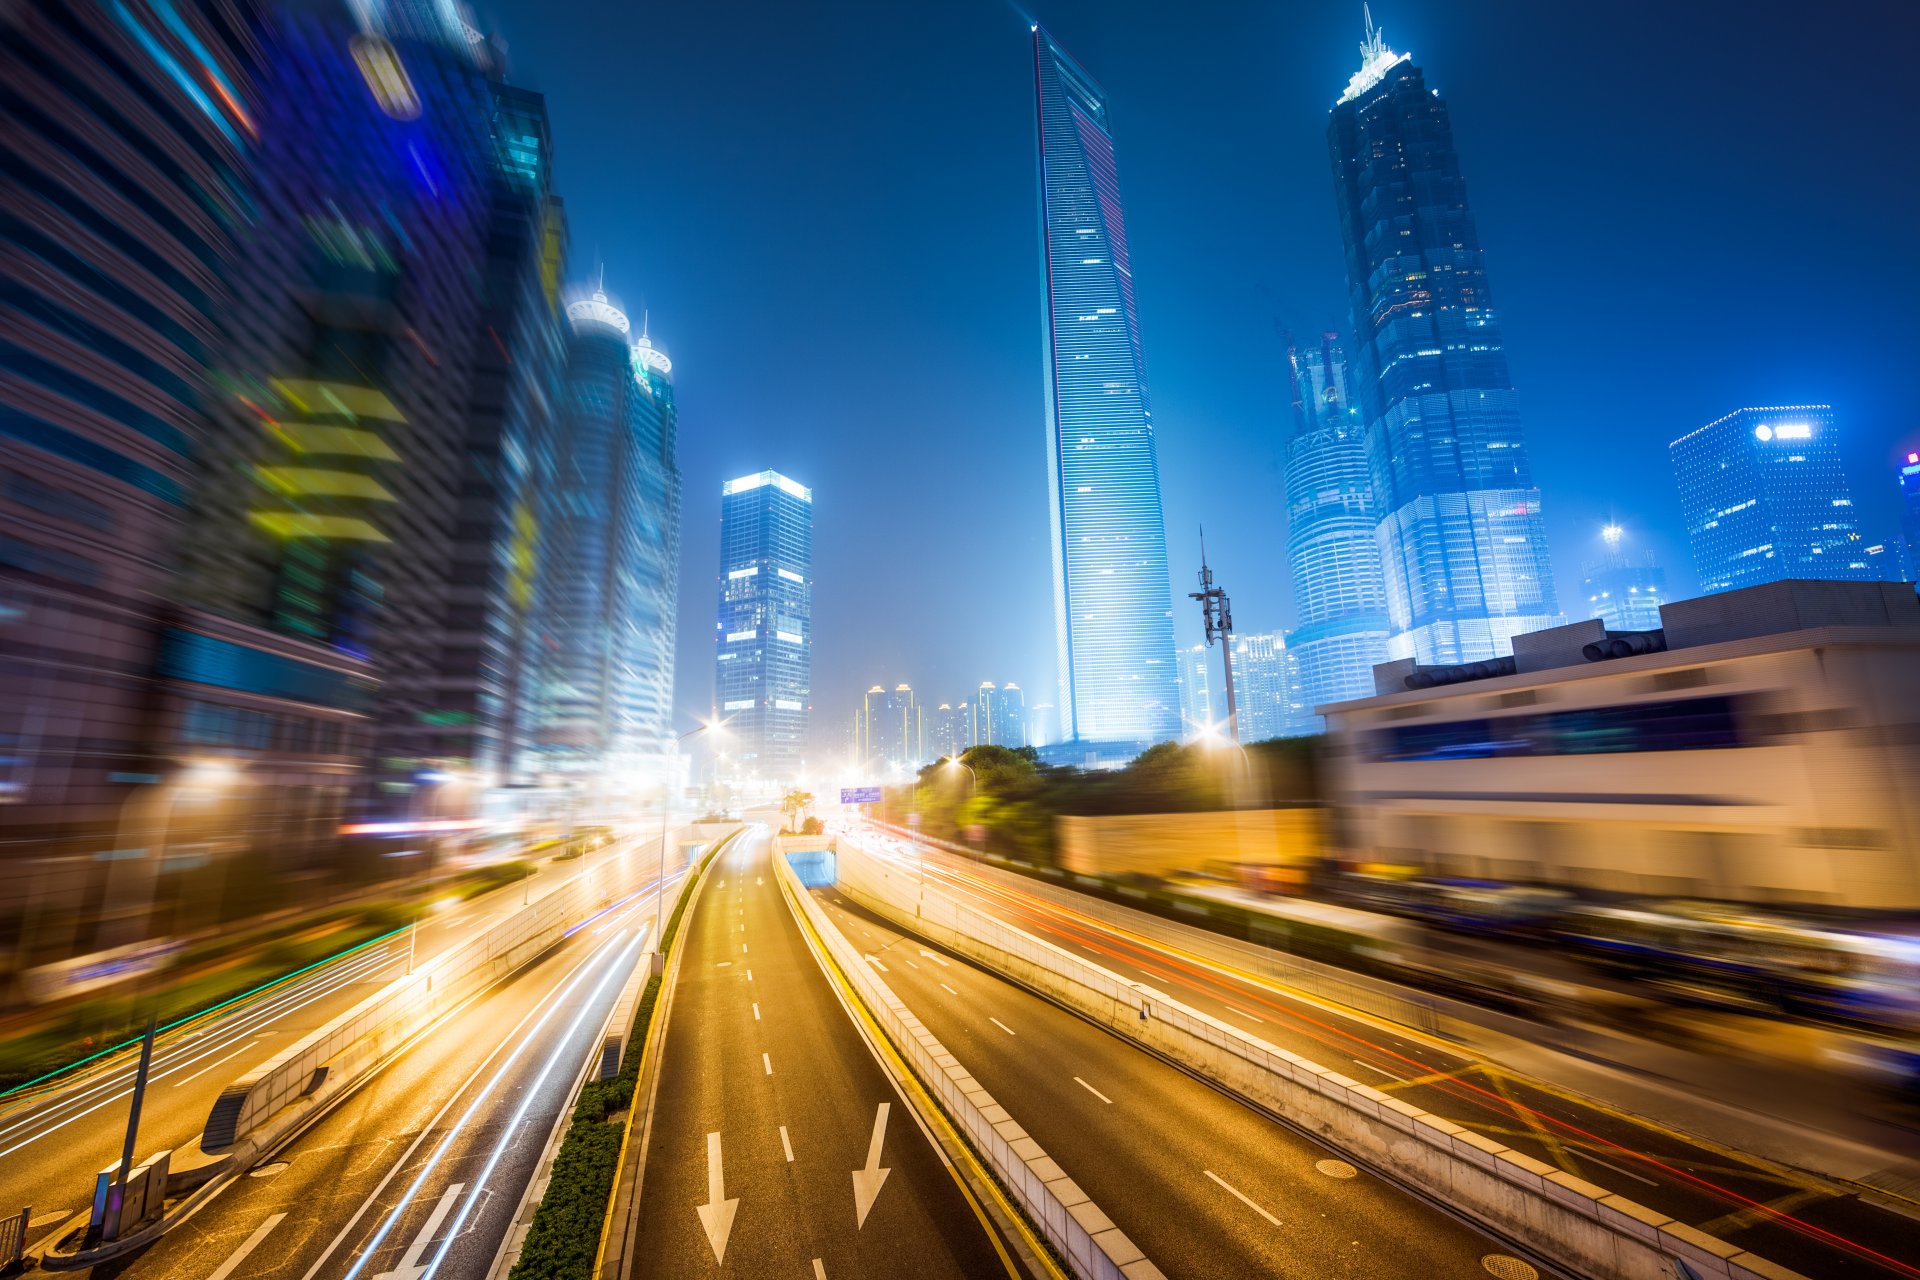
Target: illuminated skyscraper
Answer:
[[1339, 587], [1197, 680], [1624, 591], [1269, 700], [1910, 511], [889, 730], [764, 637], [1765, 498], [1460, 535], [951, 730], [653, 611], [1000, 715], [1112, 607]]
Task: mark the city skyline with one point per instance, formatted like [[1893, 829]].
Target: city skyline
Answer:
[[1252, 147]]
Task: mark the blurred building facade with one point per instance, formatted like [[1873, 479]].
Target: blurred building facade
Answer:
[[1270, 700], [1339, 587], [1759, 748], [653, 619], [1461, 536], [764, 636], [1765, 498], [1113, 610], [950, 729]]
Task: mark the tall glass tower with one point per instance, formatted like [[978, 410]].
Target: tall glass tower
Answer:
[[764, 638], [1338, 584], [1765, 498], [1460, 533], [1910, 511], [1113, 613]]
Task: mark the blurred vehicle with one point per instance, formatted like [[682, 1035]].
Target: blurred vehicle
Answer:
[[1464, 905], [1727, 957]]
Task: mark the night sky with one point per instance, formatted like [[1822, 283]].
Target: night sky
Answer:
[[829, 208]]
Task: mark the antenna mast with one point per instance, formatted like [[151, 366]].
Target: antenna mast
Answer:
[[1216, 613]]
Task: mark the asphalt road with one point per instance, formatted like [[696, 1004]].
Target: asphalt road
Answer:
[[53, 1139], [1208, 1189], [1812, 1224], [770, 1103], [419, 1173]]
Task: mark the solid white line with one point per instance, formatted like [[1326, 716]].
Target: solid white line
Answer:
[[1236, 1193], [756, 1011], [1616, 1168], [767, 1062], [786, 1144], [948, 990], [1003, 1026], [229, 1058], [1095, 1092], [252, 1242]]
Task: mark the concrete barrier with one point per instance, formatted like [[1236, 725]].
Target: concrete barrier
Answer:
[[1085, 1237], [1581, 1226]]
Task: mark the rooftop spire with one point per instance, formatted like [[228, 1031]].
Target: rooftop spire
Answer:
[[1375, 58]]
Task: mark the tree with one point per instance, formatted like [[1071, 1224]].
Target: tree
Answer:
[[794, 803]]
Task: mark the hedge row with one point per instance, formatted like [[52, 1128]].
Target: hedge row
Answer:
[[565, 1234]]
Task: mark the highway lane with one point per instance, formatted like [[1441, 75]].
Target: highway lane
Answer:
[[53, 1139], [773, 1122], [419, 1173], [1209, 1189], [1800, 1220]]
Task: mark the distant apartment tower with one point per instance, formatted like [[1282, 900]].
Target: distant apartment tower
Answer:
[[1113, 614], [1461, 535], [1197, 682], [1000, 715], [1623, 591], [1765, 499], [1269, 698], [1910, 511], [889, 729], [951, 730], [1339, 587], [764, 660]]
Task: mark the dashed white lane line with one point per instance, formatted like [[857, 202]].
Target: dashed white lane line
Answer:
[[743, 948], [1003, 1026], [819, 1270], [1241, 1196], [1238, 1014], [767, 1062], [1095, 1092], [949, 990], [910, 964], [1582, 1155], [749, 975], [756, 1011], [875, 962], [1382, 1070], [251, 1243], [229, 1058], [786, 1144]]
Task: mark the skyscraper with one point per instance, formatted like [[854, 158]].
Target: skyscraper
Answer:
[[951, 730], [764, 637], [890, 731], [1461, 536], [1910, 511], [1000, 715], [1339, 586], [1269, 701], [1624, 591], [1113, 613], [654, 588], [1197, 681], [1765, 498]]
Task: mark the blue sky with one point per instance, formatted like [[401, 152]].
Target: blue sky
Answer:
[[829, 209]]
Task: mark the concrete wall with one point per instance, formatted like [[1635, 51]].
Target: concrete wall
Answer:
[[1160, 843], [1582, 1226]]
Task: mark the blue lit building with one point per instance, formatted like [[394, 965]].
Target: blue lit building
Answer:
[[1623, 591], [1339, 587], [1112, 606], [1765, 498], [1910, 512], [764, 637], [1461, 535], [653, 582], [1000, 716]]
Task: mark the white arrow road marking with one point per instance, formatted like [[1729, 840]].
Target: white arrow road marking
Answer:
[[239, 1255], [1239, 1195], [716, 1215], [410, 1267], [939, 960], [868, 1181], [875, 962]]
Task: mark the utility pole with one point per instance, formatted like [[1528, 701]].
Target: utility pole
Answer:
[[1216, 612]]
